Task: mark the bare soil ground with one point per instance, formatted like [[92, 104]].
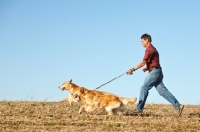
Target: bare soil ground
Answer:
[[33, 116]]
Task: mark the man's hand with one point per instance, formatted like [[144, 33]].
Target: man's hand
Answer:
[[141, 64], [145, 69], [130, 71]]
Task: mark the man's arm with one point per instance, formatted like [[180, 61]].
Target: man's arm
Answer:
[[141, 64]]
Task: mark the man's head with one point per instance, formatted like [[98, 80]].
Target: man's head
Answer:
[[146, 40]]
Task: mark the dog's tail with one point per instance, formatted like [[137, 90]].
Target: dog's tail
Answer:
[[126, 101]]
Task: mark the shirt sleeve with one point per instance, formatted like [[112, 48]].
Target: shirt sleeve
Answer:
[[147, 56]]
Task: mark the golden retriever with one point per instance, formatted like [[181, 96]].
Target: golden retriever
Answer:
[[70, 88], [94, 99]]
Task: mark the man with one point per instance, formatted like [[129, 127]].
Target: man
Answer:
[[154, 77]]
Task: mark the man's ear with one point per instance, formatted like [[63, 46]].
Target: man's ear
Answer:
[[70, 80]]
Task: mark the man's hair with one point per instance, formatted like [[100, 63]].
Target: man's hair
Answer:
[[146, 36]]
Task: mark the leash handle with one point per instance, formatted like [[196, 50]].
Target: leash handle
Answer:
[[110, 80]]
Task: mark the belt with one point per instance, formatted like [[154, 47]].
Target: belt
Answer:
[[154, 68]]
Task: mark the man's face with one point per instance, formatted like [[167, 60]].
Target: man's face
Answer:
[[144, 42]]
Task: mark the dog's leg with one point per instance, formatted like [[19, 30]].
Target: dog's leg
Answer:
[[120, 110], [113, 109], [70, 101], [91, 108], [117, 111], [110, 113], [109, 110], [82, 108]]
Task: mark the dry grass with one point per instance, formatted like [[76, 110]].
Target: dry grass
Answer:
[[53, 116]]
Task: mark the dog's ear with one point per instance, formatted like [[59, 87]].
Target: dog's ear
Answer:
[[70, 80], [82, 90]]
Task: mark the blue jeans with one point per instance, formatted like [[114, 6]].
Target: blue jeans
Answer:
[[154, 78]]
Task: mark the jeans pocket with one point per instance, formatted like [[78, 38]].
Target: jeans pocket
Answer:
[[155, 75]]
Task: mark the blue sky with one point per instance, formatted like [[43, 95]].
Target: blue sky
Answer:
[[44, 43]]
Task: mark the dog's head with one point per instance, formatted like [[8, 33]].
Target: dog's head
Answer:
[[66, 85], [79, 92]]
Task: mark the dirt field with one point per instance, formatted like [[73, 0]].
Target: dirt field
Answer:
[[23, 116]]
